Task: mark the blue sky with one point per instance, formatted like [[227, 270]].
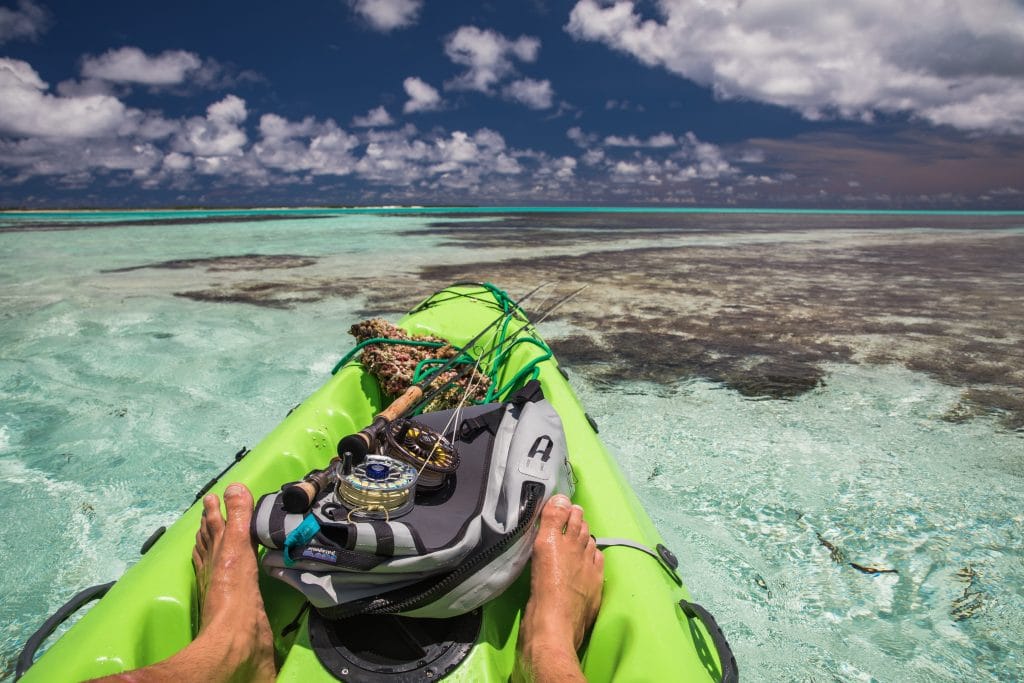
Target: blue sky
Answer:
[[867, 104]]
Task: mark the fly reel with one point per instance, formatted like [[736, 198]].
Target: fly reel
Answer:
[[433, 455], [379, 487]]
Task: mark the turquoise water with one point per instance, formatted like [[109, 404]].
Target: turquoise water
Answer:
[[119, 400], [14, 218]]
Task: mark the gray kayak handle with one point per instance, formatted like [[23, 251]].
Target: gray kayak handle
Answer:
[[79, 600]]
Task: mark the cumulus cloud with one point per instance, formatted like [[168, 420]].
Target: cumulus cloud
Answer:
[[658, 140], [454, 160], [29, 21], [534, 94], [215, 137], [375, 118], [487, 55], [957, 63], [669, 159], [76, 161], [422, 96], [30, 110], [132, 65], [320, 148], [175, 71], [387, 15]]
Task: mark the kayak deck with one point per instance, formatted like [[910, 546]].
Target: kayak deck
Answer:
[[641, 631]]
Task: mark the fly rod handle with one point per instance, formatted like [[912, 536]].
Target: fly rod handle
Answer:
[[401, 404], [298, 497]]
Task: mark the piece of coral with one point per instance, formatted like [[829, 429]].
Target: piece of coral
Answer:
[[395, 364]]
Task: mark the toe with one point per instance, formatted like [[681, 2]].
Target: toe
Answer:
[[201, 541], [212, 520], [575, 523], [555, 514], [239, 504]]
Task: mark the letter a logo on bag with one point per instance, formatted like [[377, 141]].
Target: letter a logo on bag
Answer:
[[542, 447]]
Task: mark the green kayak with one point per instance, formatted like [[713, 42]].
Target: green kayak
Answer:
[[647, 628]]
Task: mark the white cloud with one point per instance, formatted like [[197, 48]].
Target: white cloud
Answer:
[[77, 159], [582, 139], [216, 136], [661, 140], [565, 168], [534, 94], [487, 55], [658, 140], [422, 96], [320, 148], [624, 105], [29, 21], [177, 162], [455, 160], [29, 110], [957, 63], [387, 15], [394, 157], [132, 65], [375, 118], [670, 158], [593, 157]]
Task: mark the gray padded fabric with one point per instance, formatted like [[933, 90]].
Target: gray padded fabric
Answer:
[[528, 446]]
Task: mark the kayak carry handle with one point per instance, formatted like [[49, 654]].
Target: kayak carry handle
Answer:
[[730, 672], [79, 600]]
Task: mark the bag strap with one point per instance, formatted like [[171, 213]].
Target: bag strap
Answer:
[[472, 427], [530, 393]]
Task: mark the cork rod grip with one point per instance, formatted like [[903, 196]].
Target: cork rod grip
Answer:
[[402, 404]]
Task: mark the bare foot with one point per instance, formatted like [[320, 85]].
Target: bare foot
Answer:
[[227, 578], [565, 594], [234, 641]]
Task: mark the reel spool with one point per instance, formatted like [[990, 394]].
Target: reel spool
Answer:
[[416, 444], [379, 488]]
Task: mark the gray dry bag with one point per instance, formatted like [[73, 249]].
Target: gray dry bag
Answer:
[[456, 548]]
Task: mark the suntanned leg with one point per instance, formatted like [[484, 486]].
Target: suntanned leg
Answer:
[[234, 642], [565, 594]]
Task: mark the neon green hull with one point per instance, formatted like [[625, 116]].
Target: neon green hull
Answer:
[[641, 633]]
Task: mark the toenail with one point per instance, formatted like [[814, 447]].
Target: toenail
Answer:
[[560, 500], [234, 489]]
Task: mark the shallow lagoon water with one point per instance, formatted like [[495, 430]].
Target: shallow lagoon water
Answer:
[[119, 400]]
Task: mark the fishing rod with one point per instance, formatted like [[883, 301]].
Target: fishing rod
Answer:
[[353, 448]]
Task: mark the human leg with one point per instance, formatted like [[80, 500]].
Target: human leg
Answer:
[[565, 595], [234, 641]]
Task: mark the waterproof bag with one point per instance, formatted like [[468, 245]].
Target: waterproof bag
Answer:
[[455, 548]]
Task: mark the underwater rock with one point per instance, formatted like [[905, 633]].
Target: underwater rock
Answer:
[[972, 601], [777, 379], [228, 263]]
